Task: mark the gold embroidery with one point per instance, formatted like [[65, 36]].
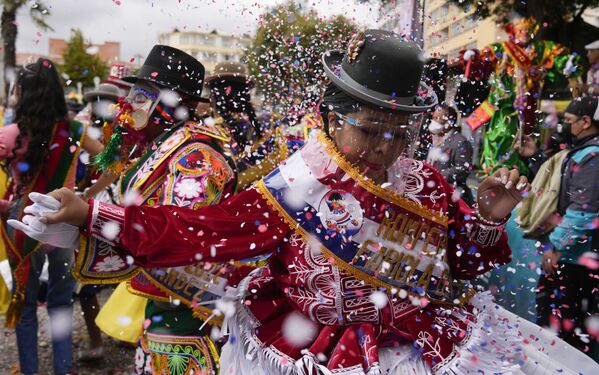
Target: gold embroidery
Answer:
[[266, 165], [375, 261], [198, 311], [132, 290], [377, 190]]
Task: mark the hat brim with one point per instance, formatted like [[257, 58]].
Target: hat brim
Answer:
[[100, 94], [134, 79], [592, 46], [118, 82], [331, 61]]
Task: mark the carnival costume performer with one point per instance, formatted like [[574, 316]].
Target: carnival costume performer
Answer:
[[256, 146], [519, 65], [378, 293], [164, 157]]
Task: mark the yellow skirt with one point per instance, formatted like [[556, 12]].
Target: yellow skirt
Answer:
[[5, 294], [122, 315]]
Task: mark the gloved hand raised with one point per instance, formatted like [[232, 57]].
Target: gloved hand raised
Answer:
[[60, 235], [73, 210]]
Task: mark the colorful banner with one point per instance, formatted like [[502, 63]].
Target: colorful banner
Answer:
[[481, 115]]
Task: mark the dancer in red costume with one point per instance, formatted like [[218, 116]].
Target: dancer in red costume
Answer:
[[382, 294]]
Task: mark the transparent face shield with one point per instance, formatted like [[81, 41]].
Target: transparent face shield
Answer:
[[374, 131], [376, 141]]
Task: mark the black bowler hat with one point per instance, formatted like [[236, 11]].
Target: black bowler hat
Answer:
[[584, 106], [380, 68], [174, 69]]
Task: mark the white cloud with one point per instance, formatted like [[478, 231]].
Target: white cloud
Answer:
[[137, 23]]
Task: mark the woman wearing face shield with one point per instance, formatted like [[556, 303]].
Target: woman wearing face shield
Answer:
[[369, 253]]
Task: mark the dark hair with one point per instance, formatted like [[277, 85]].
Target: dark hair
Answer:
[[450, 113], [234, 97], [41, 105], [337, 100], [336, 197]]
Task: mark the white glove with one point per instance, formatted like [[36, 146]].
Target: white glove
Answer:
[[469, 54], [59, 235], [42, 204]]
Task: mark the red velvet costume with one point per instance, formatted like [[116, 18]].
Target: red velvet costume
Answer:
[[351, 328]]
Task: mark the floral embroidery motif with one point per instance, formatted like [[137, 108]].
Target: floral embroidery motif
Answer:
[[328, 295], [197, 176], [412, 182], [181, 355], [430, 346], [109, 264], [188, 188], [143, 365], [154, 160]]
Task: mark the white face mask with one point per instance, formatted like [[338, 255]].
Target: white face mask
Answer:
[[143, 97], [435, 128]]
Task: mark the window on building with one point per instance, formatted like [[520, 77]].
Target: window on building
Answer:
[[438, 15], [470, 22], [439, 37], [457, 27]]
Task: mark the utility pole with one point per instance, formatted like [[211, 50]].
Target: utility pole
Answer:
[[423, 2], [3, 100]]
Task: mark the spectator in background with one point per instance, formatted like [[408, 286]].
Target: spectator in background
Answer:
[[40, 152], [591, 86], [567, 294], [73, 107], [451, 152]]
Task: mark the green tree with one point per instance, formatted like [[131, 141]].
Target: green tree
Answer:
[[284, 58], [79, 65], [38, 12], [562, 20], [542, 10]]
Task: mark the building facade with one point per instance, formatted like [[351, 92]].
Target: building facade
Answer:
[[109, 52], [449, 29], [208, 47]]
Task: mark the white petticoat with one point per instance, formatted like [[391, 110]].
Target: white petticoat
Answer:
[[532, 351]]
